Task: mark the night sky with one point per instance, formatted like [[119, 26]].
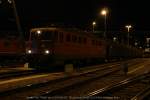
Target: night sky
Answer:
[[77, 13]]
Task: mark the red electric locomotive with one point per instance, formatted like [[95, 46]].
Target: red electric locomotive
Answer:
[[51, 47], [11, 50]]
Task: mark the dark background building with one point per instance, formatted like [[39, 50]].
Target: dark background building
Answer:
[[80, 14]]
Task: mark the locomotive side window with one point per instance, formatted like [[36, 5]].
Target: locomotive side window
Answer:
[[61, 37], [99, 43], [43, 35], [47, 35], [84, 40], [96, 42], [56, 35], [68, 38], [74, 38], [93, 42], [79, 40]]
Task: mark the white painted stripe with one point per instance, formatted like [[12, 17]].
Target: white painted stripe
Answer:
[[20, 79], [135, 69]]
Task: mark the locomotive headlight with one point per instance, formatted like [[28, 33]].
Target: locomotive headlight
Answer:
[[29, 51], [39, 32], [46, 51]]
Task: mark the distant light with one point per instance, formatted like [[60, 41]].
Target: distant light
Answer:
[[0, 1], [104, 11], [135, 43], [10, 1], [39, 32], [128, 26], [29, 51], [114, 39], [94, 23], [46, 51]]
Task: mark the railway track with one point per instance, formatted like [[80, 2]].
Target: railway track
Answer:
[[82, 89], [10, 75], [43, 88], [136, 88], [55, 87], [15, 73]]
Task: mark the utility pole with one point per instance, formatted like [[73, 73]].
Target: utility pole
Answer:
[[18, 23], [128, 28]]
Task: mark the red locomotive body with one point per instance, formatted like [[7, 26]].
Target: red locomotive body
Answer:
[[11, 50], [59, 46], [51, 47], [48, 48]]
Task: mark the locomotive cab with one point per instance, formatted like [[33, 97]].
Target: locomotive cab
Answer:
[[41, 42], [40, 47], [52, 48]]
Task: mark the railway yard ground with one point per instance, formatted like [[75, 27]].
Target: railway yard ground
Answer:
[[101, 82]]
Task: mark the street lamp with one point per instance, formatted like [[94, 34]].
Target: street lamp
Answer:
[[128, 27], [94, 23], [39, 32], [114, 39], [135, 43], [104, 12]]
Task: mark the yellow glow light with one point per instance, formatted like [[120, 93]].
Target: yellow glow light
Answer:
[[46, 51], [94, 23], [39, 32], [128, 26]]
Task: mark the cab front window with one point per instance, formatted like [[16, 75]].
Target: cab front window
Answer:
[[42, 35]]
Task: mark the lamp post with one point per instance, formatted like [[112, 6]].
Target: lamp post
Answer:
[[104, 12], [17, 21], [17, 18], [94, 23], [128, 28]]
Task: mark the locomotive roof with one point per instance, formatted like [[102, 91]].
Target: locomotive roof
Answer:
[[73, 30]]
